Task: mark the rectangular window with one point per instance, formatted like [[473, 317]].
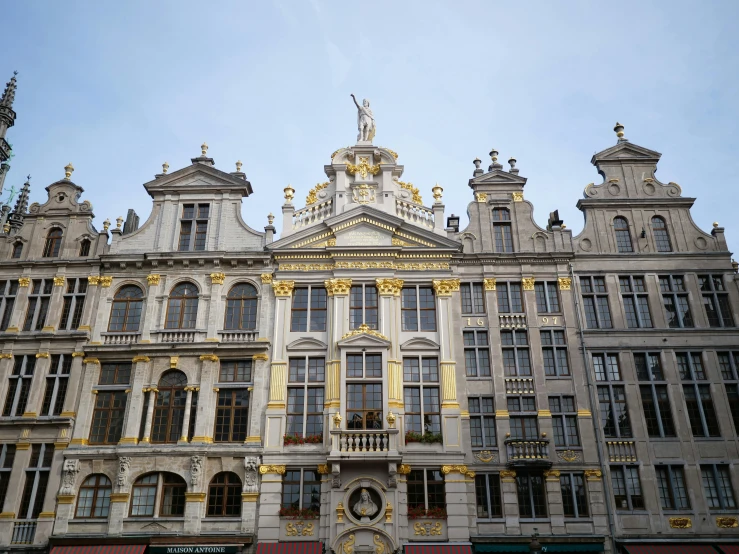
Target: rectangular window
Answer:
[[547, 298], [476, 353], [305, 395], [564, 421], [56, 384], [672, 491], [188, 222], [716, 300], [418, 309], [516, 358], [510, 298], [524, 422], [38, 304], [698, 401], [301, 490], [37, 478], [19, 385], [627, 488], [636, 302], [554, 352], [422, 401], [675, 301], [654, 397], [74, 303], [309, 309], [110, 403], [595, 303], [363, 306], [502, 230], [614, 414], [426, 491], [473, 298], [574, 496], [7, 457], [482, 422], [532, 496], [8, 290], [717, 487], [232, 411], [487, 496], [364, 400]]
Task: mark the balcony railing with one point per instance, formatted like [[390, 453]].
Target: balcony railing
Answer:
[[176, 336], [312, 214], [621, 451], [522, 385], [238, 336], [415, 213], [528, 452], [371, 442], [120, 338], [512, 321], [23, 532]]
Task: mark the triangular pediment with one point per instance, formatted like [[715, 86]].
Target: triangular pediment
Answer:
[[498, 177], [306, 343], [198, 177], [364, 338], [626, 151]]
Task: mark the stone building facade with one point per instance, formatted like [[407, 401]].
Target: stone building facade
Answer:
[[375, 380]]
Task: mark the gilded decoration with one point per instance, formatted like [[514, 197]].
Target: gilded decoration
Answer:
[[264, 469], [283, 288], [393, 153], [569, 456], [457, 469], [266, 278], [217, 278], [106, 281], [59, 281], [91, 361], [338, 287], [389, 286], [92, 280], [565, 283], [299, 529], [437, 191], [364, 168], [24, 281], [261, 356], [404, 469], [289, 194], [680, 522], [427, 528], [415, 193], [446, 287], [508, 476], [312, 197], [153, 279], [593, 474], [481, 196], [324, 469], [527, 283], [517, 196], [490, 283], [486, 456], [364, 329], [388, 513], [208, 358], [304, 267], [42, 355], [348, 545], [137, 359], [552, 475], [340, 512], [727, 522], [380, 547], [364, 194]]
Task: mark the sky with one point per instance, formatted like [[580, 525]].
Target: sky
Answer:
[[119, 88]]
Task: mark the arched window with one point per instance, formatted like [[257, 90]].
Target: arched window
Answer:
[[169, 408], [623, 237], [125, 316], [158, 493], [85, 248], [182, 308], [224, 495], [241, 307], [53, 243], [502, 230], [94, 497], [17, 250], [661, 236]]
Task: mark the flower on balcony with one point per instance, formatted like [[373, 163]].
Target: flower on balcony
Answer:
[[419, 512], [426, 438], [297, 513], [297, 439]]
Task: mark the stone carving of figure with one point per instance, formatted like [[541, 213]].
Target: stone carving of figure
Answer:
[[250, 474], [69, 476], [196, 468], [365, 506], [124, 464], [365, 121]]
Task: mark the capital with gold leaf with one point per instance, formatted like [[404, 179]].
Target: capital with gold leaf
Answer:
[[338, 287], [59, 280], [508, 475], [217, 278], [24, 281], [593, 474], [490, 283], [565, 283], [445, 287], [283, 288], [153, 279], [106, 281], [387, 287], [266, 278], [208, 358], [404, 469], [527, 283], [264, 469]]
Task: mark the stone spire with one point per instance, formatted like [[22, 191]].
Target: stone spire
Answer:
[[9, 93], [21, 206], [7, 116]]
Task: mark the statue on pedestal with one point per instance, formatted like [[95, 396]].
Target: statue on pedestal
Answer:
[[365, 121]]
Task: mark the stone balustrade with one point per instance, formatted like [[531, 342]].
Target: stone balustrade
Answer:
[[312, 214], [414, 213], [512, 321], [621, 451]]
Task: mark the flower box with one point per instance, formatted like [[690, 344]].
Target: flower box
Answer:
[[297, 513], [296, 439], [419, 512], [427, 438]]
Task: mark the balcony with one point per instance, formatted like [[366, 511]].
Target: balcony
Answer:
[[621, 451], [177, 337], [23, 532], [528, 453], [512, 321], [523, 385], [115, 339], [371, 443], [230, 337]]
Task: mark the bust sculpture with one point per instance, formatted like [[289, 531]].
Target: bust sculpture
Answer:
[[365, 121], [365, 506]]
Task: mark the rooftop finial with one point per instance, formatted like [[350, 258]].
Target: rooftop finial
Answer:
[[619, 130], [68, 170], [9, 93], [165, 168], [494, 155], [238, 166], [270, 218], [204, 149]]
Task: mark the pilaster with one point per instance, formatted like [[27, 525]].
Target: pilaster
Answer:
[[338, 293], [21, 303], [554, 501], [215, 311], [148, 322], [388, 291], [259, 395], [450, 412], [75, 379], [270, 498], [90, 377], [139, 378], [38, 385], [457, 481], [204, 421], [275, 416], [510, 501], [118, 509], [92, 300], [194, 512]]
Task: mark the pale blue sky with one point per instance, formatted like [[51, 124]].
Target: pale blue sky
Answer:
[[119, 88]]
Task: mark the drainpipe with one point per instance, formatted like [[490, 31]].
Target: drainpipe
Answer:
[[599, 440]]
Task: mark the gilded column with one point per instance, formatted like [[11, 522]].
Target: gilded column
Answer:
[[214, 306], [451, 420], [55, 306], [388, 290], [148, 324], [338, 292]]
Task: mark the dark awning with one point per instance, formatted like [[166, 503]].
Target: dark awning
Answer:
[[546, 548], [653, 548], [100, 549], [729, 548], [449, 548], [294, 547]]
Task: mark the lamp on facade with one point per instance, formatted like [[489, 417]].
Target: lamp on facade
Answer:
[[452, 222], [534, 545]]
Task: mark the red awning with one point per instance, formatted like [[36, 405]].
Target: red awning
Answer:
[[295, 547], [729, 548], [669, 549], [450, 548], [100, 549]]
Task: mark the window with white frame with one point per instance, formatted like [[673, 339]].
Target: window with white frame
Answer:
[[418, 308], [301, 492], [158, 493], [193, 227], [363, 391], [426, 493], [422, 396], [305, 393]]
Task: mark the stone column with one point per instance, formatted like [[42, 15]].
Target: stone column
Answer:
[[92, 301], [139, 380], [17, 480], [148, 324], [6, 369], [75, 379], [204, 421], [338, 292], [388, 290], [186, 415], [118, 511], [47, 515], [258, 398], [152, 391], [90, 378], [21, 303], [597, 498], [250, 495], [510, 501], [194, 512], [456, 479], [270, 496], [55, 305], [554, 499], [451, 421], [38, 386], [214, 307]]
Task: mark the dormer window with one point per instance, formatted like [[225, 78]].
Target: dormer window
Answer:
[[17, 250], [53, 243], [85, 248], [502, 230], [193, 227]]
